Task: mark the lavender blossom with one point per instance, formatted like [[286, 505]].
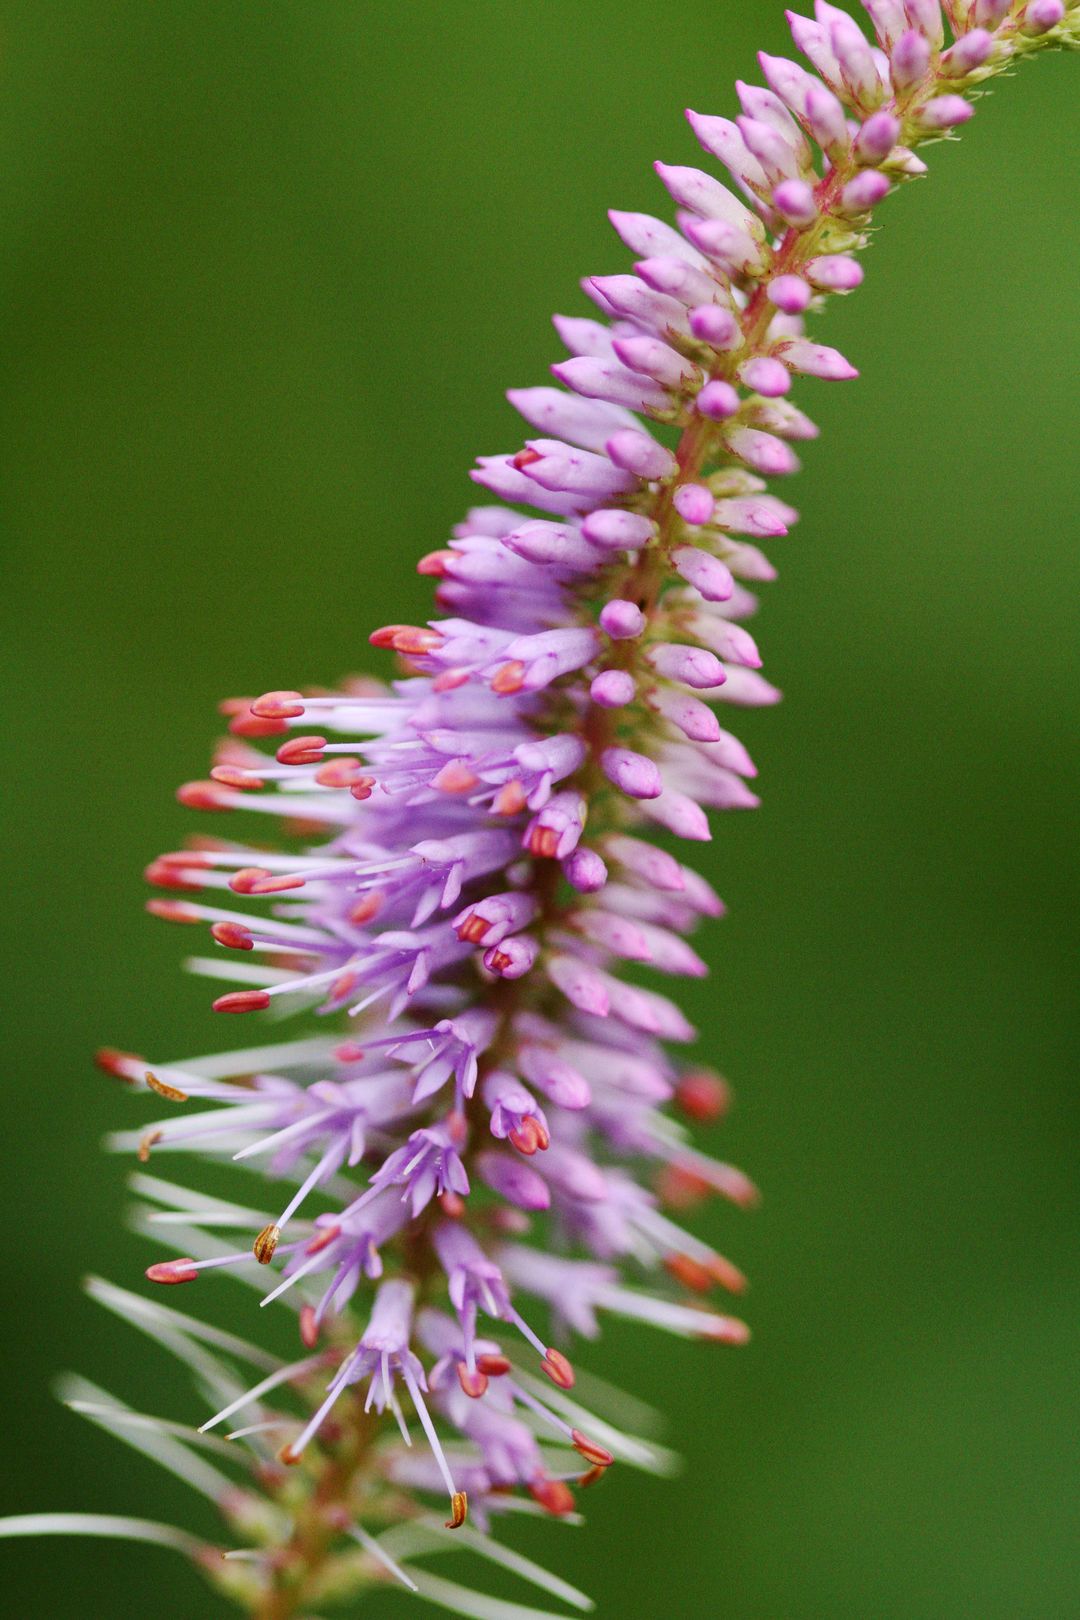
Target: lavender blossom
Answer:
[[482, 1162]]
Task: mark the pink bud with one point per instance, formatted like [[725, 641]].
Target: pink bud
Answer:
[[765, 376], [655, 359], [512, 958], [715, 326], [622, 620], [876, 138], [988, 13], [1042, 15], [864, 192], [945, 112], [969, 53], [585, 871], [613, 689], [816, 360], [631, 773], [707, 574], [513, 1180], [615, 530], [794, 202], [694, 503], [718, 400], [639, 454], [789, 293], [910, 60], [762, 451], [835, 272], [693, 666]]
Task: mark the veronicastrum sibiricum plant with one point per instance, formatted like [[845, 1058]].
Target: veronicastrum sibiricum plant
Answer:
[[479, 1162]]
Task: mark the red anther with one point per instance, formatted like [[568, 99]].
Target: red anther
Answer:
[[510, 799], [190, 857], [553, 1495], [590, 1450], [416, 639], [121, 1065], [385, 636], [165, 874], [232, 935], [543, 841], [271, 884], [241, 1001], [681, 1188], [530, 1136], [244, 880], [558, 1369], [590, 1478], [362, 789], [435, 563], [200, 841], [303, 827], [449, 680], [349, 1052], [526, 458], [690, 1272], [457, 1127], [322, 1239], [474, 1384], [455, 777], [230, 776], [343, 986], [203, 796], [727, 1275], [367, 908], [509, 678], [472, 929], [278, 706], [502, 1218], [724, 1330], [452, 1206], [703, 1096], [247, 724], [231, 706], [493, 1366], [173, 911], [498, 961], [289, 1457], [173, 1271], [338, 773], [301, 751]]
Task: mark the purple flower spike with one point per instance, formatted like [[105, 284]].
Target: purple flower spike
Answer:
[[470, 860]]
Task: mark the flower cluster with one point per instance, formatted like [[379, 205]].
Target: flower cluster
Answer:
[[483, 1160]]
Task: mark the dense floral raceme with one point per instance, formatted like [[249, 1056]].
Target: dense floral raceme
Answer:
[[484, 1147]]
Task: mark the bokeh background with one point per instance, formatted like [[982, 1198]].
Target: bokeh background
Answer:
[[266, 269]]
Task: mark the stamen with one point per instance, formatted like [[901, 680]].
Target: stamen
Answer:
[[509, 678], [234, 936], [553, 1495], [230, 776], [278, 706], [459, 1510], [435, 563], [173, 1271], [597, 1455], [173, 911], [558, 1369], [530, 1136], [474, 1384], [265, 1244], [203, 796], [493, 1366], [309, 1327], [242, 1001], [301, 751], [510, 799], [151, 1138], [121, 1065], [170, 1093]]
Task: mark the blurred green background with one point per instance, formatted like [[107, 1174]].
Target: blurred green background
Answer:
[[266, 270]]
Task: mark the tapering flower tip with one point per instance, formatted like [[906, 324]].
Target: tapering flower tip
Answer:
[[789, 293], [945, 112], [763, 375], [613, 689], [864, 192], [925, 15], [835, 272], [1041, 16], [735, 251], [703, 1096], [621, 620], [585, 871], [657, 360], [909, 60], [794, 201], [988, 13], [639, 454], [242, 1001], [706, 573], [969, 52], [718, 400], [633, 774], [816, 360], [763, 452], [605, 379], [693, 666], [826, 119], [715, 326], [513, 958], [518, 1183], [876, 139], [558, 1369], [173, 1271], [694, 503], [615, 530]]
